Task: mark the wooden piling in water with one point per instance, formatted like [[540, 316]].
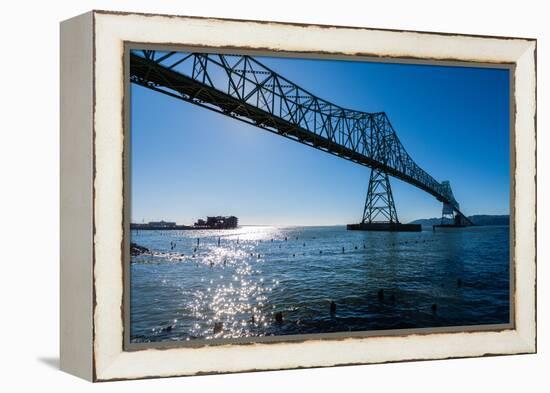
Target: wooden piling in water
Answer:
[[279, 317]]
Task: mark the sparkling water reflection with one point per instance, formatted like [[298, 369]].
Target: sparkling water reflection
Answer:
[[233, 283]]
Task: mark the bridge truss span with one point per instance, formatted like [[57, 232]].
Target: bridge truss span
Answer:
[[242, 87]]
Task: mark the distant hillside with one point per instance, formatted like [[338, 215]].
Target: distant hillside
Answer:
[[478, 219]]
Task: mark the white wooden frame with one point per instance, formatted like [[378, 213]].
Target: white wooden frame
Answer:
[[92, 150]]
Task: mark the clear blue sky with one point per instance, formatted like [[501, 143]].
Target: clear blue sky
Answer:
[[188, 162]]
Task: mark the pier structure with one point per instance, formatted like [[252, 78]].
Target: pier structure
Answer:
[[379, 213], [451, 220], [217, 222], [241, 87]]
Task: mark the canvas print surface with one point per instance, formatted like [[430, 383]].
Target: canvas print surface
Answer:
[[278, 197]]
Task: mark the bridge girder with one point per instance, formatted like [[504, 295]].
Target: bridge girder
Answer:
[[241, 87]]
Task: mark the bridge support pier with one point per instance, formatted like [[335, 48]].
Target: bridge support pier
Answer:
[[451, 219], [379, 213]]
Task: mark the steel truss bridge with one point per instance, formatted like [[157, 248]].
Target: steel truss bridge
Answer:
[[241, 87]]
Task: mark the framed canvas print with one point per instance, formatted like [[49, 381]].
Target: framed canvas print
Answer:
[[244, 195]]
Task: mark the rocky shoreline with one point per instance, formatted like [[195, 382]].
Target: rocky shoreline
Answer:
[[136, 249]]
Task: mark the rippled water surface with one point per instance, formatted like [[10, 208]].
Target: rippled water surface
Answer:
[[232, 283]]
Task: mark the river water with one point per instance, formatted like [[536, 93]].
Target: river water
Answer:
[[232, 283]]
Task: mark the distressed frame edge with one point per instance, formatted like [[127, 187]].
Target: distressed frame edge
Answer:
[[303, 24], [76, 196], [527, 339], [526, 224]]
